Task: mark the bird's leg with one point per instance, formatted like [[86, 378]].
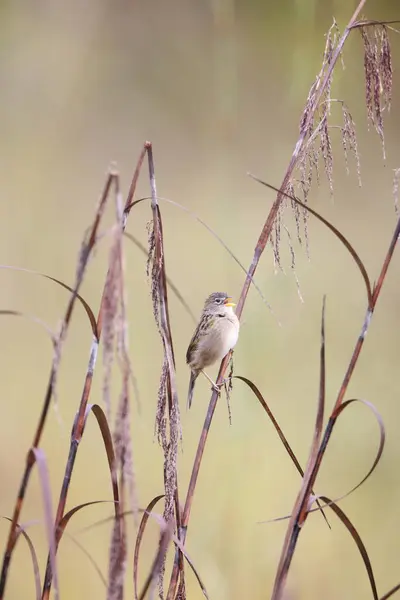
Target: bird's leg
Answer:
[[226, 383], [215, 387]]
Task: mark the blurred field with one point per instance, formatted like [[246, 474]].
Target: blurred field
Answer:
[[218, 88]]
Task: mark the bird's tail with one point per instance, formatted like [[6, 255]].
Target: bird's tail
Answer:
[[193, 377]]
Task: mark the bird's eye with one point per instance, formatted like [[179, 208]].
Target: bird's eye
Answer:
[[218, 300]]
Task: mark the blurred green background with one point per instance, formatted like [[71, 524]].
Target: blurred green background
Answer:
[[219, 89]]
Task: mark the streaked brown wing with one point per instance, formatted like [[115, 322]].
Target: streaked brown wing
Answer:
[[205, 323], [193, 345]]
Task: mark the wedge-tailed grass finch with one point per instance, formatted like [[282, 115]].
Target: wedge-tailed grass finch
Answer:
[[215, 335]]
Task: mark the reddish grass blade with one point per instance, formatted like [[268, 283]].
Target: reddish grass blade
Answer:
[[76, 437], [18, 313], [356, 537], [332, 228], [40, 459], [382, 436], [35, 563], [109, 448], [301, 507], [88, 310], [139, 537], [321, 399], [135, 179], [68, 515], [386, 263], [378, 456], [278, 430], [390, 593]]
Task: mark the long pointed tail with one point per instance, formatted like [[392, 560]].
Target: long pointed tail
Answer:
[[193, 377]]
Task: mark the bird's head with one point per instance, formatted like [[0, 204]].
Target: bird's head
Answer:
[[219, 300]]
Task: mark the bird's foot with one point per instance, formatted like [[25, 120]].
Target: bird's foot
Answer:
[[216, 387]]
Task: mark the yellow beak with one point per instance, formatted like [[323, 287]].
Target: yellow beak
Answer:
[[228, 302]]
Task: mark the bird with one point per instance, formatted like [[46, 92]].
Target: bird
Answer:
[[215, 335]]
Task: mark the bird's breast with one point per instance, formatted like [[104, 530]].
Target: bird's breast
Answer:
[[229, 336], [221, 339]]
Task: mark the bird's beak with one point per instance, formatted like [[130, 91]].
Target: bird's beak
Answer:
[[228, 302]]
